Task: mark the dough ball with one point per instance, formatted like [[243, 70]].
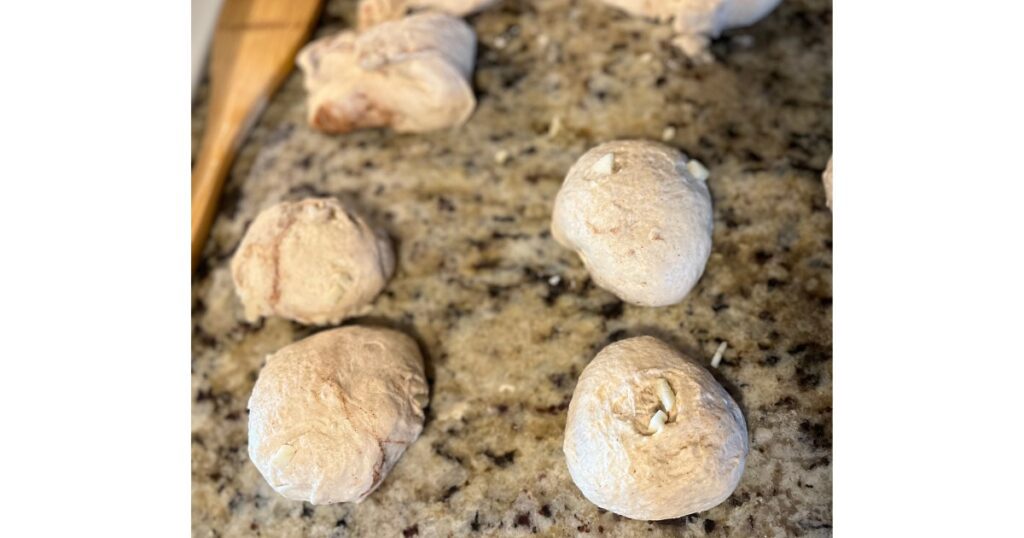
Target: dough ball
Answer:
[[331, 414], [411, 74], [639, 215], [651, 435], [373, 12], [314, 261], [696, 22]]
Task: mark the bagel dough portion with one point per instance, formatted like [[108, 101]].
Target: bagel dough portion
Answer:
[[651, 435], [374, 12], [314, 261], [639, 215], [697, 22], [411, 74], [331, 414]]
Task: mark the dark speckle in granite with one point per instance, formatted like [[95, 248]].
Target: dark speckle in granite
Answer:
[[506, 317], [502, 460], [612, 310], [449, 492]]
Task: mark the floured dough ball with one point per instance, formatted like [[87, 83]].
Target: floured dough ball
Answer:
[[826, 178], [373, 12], [331, 414], [696, 22], [651, 435], [639, 215], [410, 74], [314, 261]]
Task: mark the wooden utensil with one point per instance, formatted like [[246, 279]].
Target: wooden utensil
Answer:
[[254, 49]]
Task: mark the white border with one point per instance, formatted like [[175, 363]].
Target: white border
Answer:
[[927, 256], [95, 388], [928, 196]]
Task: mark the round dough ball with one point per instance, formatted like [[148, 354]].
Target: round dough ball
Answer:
[[314, 261], [651, 435], [331, 414], [639, 215], [413, 74], [697, 21]]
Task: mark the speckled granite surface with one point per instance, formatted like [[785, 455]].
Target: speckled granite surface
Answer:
[[507, 318]]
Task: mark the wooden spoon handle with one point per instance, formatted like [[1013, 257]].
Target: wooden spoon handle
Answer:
[[254, 49], [220, 141]]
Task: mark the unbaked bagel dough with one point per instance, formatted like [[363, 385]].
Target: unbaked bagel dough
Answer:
[[638, 213], [314, 261], [651, 435], [331, 414]]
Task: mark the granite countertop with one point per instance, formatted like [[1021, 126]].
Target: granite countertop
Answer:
[[508, 319]]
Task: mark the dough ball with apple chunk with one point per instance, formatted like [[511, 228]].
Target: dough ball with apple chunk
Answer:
[[330, 415], [651, 435], [638, 213], [314, 261]]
